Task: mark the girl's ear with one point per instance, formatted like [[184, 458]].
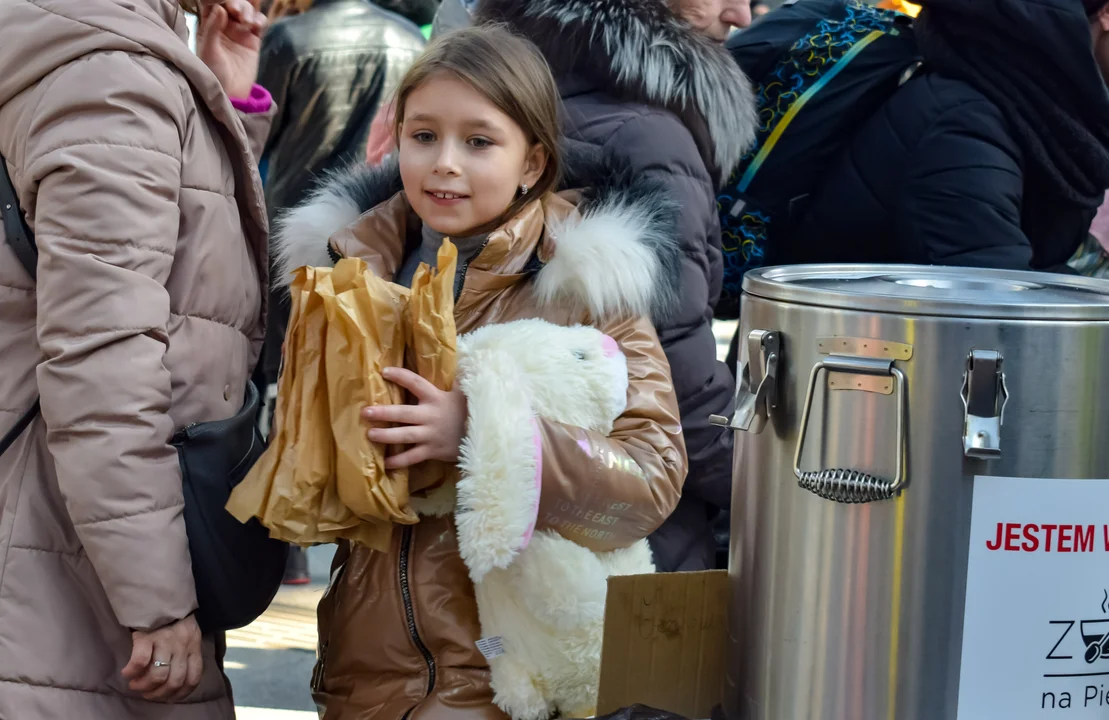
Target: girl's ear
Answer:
[[535, 163]]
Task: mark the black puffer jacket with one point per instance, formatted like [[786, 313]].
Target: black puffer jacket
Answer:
[[637, 82], [939, 175]]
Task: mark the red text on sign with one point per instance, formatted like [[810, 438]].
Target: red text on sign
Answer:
[[1032, 537]]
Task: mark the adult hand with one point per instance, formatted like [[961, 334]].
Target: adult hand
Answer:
[[228, 41], [434, 428], [166, 664]]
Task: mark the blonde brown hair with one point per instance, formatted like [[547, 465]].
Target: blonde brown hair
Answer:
[[512, 74]]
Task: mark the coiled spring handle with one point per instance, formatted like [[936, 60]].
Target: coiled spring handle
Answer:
[[852, 486]]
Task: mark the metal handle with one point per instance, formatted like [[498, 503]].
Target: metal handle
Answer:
[[852, 486], [757, 393], [985, 395]]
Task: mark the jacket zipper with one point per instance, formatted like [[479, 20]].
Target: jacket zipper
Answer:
[[409, 611], [461, 281]]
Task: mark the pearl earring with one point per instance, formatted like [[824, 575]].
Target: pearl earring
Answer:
[[523, 189]]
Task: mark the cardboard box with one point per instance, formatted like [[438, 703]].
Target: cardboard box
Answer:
[[665, 642]]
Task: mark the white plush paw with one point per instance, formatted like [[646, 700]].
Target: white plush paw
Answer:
[[515, 692]]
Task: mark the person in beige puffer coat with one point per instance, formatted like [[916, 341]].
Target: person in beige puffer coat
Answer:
[[136, 173]]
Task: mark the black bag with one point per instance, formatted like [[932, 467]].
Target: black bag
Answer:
[[237, 567], [820, 69]]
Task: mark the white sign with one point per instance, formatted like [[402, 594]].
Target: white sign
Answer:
[[1036, 629]]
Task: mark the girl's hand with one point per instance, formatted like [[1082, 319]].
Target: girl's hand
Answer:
[[228, 41], [434, 428]]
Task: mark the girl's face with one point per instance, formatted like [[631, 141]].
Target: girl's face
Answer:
[[462, 160]]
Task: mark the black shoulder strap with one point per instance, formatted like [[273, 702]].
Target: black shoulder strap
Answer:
[[18, 235], [22, 240]]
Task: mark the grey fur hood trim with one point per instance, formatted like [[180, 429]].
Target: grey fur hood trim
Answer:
[[640, 50], [620, 256]]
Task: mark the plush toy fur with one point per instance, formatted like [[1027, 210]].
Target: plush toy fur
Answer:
[[544, 598]]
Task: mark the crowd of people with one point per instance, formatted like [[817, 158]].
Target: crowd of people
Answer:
[[572, 150]]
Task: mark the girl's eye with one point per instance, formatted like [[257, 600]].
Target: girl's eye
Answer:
[[423, 136], [480, 142]]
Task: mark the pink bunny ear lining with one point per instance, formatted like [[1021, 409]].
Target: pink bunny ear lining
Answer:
[[611, 349]]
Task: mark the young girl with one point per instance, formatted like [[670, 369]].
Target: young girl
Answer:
[[479, 161]]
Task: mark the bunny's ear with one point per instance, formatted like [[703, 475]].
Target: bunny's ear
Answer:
[[501, 463]]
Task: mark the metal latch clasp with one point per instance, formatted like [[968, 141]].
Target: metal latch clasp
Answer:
[[985, 395], [757, 393]]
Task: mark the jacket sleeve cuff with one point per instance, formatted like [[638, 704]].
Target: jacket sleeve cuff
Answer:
[[259, 101], [501, 468]]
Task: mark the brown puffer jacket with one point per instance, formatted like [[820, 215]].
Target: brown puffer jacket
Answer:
[[137, 177], [398, 629]]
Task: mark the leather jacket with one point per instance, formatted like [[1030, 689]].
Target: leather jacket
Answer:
[[329, 70], [398, 628]]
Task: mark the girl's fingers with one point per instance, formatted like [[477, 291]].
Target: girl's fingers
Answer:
[[407, 435], [406, 414], [408, 458], [422, 389]]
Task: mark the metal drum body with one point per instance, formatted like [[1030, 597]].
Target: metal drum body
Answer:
[[854, 610]]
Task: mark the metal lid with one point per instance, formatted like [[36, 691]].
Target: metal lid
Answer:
[[933, 290]]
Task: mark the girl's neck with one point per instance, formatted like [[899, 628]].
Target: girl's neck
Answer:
[[468, 246]]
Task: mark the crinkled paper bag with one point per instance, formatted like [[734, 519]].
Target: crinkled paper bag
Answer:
[[292, 489], [365, 335], [321, 479], [433, 345]]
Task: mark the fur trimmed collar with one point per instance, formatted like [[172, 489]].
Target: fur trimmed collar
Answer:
[[640, 50], [618, 255]]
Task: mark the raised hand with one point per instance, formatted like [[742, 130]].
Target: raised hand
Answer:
[[228, 41]]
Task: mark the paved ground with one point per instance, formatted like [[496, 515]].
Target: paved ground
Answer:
[[270, 661]]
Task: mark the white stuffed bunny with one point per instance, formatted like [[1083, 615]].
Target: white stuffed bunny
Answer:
[[540, 597]]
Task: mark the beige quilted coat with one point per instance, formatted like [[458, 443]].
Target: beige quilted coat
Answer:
[[138, 179]]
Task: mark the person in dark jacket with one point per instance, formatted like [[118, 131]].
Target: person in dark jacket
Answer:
[[332, 67], [995, 154], [637, 80]]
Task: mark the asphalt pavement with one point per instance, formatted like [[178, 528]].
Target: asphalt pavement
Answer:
[[270, 661]]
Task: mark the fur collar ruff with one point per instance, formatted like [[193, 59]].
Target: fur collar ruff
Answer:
[[619, 255], [640, 50]]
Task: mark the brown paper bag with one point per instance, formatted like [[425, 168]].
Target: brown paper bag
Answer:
[[321, 479], [433, 345], [292, 489], [365, 335]]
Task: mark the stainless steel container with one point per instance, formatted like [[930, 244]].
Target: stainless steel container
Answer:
[[870, 398]]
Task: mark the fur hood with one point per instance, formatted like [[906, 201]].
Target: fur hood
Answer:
[[618, 255], [640, 50]]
